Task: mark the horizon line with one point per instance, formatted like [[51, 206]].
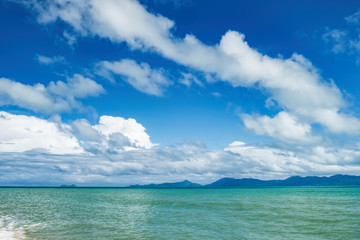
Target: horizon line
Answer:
[[199, 185]]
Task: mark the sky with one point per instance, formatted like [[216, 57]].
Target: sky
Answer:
[[112, 93]]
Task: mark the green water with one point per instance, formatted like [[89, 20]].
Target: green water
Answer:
[[243, 213]]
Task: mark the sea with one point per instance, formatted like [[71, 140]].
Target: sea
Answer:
[[219, 213]]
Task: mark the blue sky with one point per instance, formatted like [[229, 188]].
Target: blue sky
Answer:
[[122, 92]]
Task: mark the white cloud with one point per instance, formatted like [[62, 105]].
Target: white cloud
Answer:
[[354, 18], [216, 94], [189, 79], [50, 60], [341, 41], [84, 130], [140, 76], [337, 122], [347, 39], [21, 133], [134, 131], [316, 160], [166, 164], [237, 144], [56, 97], [111, 135], [77, 86], [71, 40], [336, 38], [118, 20], [283, 126], [117, 151], [35, 98], [293, 83]]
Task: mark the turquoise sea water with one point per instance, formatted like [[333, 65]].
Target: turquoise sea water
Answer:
[[242, 213]]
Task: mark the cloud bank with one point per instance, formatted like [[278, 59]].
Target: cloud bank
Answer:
[[176, 163], [118, 151]]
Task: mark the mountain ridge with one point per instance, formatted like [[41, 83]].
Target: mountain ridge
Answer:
[[183, 184], [335, 180]]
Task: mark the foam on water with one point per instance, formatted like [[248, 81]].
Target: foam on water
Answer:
[[9, 230]]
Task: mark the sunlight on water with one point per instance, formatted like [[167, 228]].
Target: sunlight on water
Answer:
[[244, 213]]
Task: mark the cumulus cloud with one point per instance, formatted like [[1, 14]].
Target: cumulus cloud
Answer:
[[111, 135], [56, 97], [21, 133], [293, 83], [50, 60], [35, 98], [283, 126], [140, 76], [134, 131], [76, 87], [84, 130]]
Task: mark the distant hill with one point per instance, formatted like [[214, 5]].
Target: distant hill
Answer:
[[336, 180], [183, 184]]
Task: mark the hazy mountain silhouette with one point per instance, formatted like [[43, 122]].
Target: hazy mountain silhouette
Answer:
[[183, 184], [336, 180]]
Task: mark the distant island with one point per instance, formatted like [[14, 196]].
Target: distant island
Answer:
[[336, 180]]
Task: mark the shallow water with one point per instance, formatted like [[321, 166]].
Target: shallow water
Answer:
[[238, 213]]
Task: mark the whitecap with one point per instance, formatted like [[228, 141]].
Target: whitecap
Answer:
[[9, 229]]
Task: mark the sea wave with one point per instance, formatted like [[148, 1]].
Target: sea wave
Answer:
[[9, 229]]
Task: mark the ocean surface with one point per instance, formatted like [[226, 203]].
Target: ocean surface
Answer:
[[238, 213]]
